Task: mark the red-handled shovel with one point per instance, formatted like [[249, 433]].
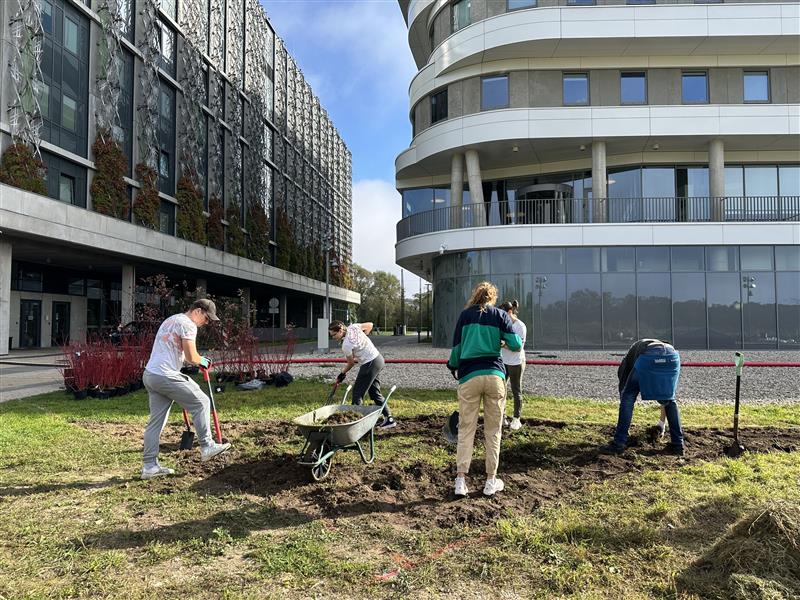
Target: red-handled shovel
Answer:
[[213, 407]]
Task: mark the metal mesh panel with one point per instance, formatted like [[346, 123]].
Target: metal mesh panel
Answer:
[[24, 112]]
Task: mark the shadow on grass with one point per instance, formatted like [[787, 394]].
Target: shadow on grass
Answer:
[[30, 490]]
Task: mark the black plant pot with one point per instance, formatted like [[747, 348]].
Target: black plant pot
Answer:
[[93, 391], [103, 394], [80, 394]]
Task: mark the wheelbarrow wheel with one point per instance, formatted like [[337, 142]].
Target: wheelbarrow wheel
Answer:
[[321, 471]]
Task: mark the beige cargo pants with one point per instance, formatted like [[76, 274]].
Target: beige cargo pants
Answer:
[[492, 389]]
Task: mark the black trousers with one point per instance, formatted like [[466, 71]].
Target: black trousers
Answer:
[[368, 382]]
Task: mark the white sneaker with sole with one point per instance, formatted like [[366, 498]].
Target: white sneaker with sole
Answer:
[[461, 487], [493, 486], [212, 450], [156, 471], [515, 424]]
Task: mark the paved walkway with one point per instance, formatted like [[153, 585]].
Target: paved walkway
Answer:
[[26, 373]]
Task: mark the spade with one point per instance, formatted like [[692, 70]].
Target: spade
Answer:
[[187, 437], [737, 447]]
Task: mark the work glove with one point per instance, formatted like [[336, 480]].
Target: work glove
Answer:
[[340, 377], [205, 363], [453, 372]]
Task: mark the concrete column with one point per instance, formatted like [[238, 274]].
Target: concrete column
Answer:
[[456, 189], [128, 300], [246, 304], [5, 296], [310, 323], [200, 288], [475, 188], [599, 182], [716, 179], [284, 308]]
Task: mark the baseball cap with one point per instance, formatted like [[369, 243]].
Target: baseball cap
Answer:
[[208, 306]]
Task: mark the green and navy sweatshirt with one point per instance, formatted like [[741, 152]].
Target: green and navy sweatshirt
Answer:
[[476, 342]]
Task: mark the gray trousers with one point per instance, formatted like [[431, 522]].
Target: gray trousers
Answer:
[[367, 382], [163, 391], [515, 383]]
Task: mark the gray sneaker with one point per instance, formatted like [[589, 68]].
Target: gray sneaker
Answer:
[[156, 471], [212, 450]]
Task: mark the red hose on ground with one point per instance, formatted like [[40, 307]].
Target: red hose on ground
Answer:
[[562, 363]]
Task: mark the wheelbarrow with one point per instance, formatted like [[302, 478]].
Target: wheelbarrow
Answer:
[[323, 441]]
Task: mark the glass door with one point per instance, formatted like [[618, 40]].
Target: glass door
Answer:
[[30, 323]]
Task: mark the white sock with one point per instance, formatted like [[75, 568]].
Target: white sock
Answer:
[[661, 424]]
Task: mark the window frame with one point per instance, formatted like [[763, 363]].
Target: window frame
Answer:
[[585, 75], [508, 92], [764, 72], [622, 75], [440, 93], [704, 73]]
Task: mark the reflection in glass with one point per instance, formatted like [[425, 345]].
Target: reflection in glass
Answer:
[[694, 87], [655, 315], [517, 287], [787, 258], [576, 88], [724, 310], [688, 258], [633, 86], [649, 259], [758, 310], [760, 181], [756, 86], [789, 180], [494, 92], [619, 310], [550, 310], [584, 311], [734, 181], [549, 260], [515, 260], [444, 315], [583, 260], [689, 310], [618, 259], [756, 258], [722, 258], [788, 300]]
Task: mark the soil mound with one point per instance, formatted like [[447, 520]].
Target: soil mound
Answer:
[[759, 559]]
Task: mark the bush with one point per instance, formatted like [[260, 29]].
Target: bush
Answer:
[[147, 203], [21, 168], [284, 240], [216, 230], [108, 189], [190, 210], [258, 227], [234, 234]]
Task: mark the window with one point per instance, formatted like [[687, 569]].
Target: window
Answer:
[[69, 109], [633, 87], [166, 218], [576, 88], [43, 95], [127, 22], [166, 139], [694, 87], [47, 16], [167, 42], [581, 2], [460, 14], [66, 189], [640, 1], [71, 35], [163, 164], [494, 92], [756, 86], [439, 107], [517, 4]]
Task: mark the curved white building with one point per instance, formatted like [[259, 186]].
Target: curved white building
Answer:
[[623, 169]]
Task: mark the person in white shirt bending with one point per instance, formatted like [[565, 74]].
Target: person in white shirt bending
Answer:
[[515, 362], [174, 344], [358, 348]]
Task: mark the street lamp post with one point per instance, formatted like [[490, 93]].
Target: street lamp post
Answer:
[[749, 284], [430, 324], [540, 283]]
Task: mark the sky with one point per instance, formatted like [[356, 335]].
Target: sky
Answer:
[[355, 55]]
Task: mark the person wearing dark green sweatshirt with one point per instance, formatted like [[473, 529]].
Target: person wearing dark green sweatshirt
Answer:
[[476, 362]]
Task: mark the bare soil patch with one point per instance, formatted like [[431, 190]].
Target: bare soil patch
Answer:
[[413, 493]]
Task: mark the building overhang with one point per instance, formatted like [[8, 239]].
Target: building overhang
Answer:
[[40, 221], [417, 253], [557, 134]]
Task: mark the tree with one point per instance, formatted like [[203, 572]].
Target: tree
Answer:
[[380, 296]]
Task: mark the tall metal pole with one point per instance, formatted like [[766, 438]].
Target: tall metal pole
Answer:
[[326, 310], [419, 312], [428, 285], [402, 304]]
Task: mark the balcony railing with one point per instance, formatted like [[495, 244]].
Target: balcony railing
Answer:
[[604, 210]]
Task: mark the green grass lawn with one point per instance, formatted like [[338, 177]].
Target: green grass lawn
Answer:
[[75, 520]]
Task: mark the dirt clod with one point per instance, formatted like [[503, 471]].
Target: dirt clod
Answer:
[[341, 417]]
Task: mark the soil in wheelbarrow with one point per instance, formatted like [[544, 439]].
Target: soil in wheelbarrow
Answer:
[[340, 418], [541, 463]]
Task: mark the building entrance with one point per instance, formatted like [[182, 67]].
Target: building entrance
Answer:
[[59, 333], [30, 323]]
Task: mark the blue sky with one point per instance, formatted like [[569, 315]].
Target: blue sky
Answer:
[[355, 55]]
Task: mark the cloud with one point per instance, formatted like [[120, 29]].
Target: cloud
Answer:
[[376, 210]]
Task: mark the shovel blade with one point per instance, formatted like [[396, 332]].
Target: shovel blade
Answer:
[[450, 429], [735, 449], [187, 439]]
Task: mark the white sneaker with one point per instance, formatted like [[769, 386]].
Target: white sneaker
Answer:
[[461, 487], [156, 471], [515, 424], [493, 486], [212, 450]]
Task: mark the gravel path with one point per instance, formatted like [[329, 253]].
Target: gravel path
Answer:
[[715, 385]]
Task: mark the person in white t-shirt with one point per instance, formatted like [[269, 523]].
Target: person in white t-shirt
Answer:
[[515, 362], [358, 348], [175, 344]]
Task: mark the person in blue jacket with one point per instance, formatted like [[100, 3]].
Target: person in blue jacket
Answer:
[[650, 368]]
